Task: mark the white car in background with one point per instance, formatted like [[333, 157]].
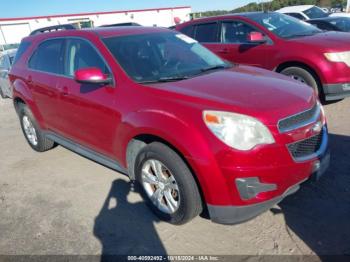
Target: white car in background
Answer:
[[304, 12], [6, 61]]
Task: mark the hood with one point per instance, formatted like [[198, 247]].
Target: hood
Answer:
[[247, 90], [329, 41]]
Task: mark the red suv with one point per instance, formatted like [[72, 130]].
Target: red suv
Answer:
[[193, 130], [280, 43]]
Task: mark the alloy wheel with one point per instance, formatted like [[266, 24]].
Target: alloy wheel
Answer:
[[29, 130], [160, 186]]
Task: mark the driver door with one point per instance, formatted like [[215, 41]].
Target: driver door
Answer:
[[88, 111], [236, 48]]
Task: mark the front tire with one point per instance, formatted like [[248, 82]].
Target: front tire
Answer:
[[167, 184], [305, 76], [33, 134]]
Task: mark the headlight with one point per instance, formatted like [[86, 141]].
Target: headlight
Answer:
[[343, 57], [238, 131]]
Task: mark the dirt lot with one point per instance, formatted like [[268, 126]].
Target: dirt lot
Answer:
[[61, 203]]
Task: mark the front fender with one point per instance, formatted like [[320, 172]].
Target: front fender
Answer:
[[188, 139], [315, 63]]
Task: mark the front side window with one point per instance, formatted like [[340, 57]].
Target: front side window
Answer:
[[81, 54], [160, 57], [207, 33], [48, 57], [236, 32], [285, 26]]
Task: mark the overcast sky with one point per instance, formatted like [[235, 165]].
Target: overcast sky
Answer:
[[21, 8]]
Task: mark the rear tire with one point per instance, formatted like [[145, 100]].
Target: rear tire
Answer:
[[185, 200], [30, 128], [305, 76]]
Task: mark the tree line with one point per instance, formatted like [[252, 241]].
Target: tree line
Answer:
[[272, 6]]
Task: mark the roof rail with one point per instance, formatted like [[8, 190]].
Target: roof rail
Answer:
[[53, 28], [122, 24]]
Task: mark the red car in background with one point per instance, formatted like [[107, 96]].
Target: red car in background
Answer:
[[280, 43]]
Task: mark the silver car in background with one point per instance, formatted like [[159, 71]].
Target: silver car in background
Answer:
[[6, 60]]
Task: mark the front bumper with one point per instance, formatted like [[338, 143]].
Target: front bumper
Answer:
[[336, 91], [234, 214], [238, 214]]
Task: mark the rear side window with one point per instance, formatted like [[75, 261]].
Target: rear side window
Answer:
[[207, 33], [48, 57], [20, 51]]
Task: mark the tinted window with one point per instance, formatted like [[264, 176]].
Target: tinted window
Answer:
[[188, 30], [324, 25], [48, 57], [160, 57], [207, 33], [81, 54], [20, 51], [296, 15], [342, 23], [236, 32]]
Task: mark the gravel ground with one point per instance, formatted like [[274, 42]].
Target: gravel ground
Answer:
[[61, 203]]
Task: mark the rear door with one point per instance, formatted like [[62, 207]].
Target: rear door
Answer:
[[45, 71], [88, 111]]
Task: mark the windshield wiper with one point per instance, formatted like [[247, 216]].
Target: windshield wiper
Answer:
[[214, 68], [303, 34], [165, 79]]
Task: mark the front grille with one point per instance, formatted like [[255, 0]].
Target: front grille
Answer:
[[299, 120], [307, 147]]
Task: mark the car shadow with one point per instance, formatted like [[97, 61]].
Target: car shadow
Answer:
[[319, 213], [126, 228]]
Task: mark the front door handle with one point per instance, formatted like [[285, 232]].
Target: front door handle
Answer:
[[62, 90]]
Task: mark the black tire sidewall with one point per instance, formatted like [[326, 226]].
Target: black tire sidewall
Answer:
[[183, 177]]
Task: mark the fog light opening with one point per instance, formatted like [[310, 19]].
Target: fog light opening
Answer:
[[250, 187]]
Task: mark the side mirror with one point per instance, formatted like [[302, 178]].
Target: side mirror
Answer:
[[91, 75], [256, 38]]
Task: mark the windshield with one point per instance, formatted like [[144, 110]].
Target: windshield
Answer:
[[342, 23], [315, 12], [285, 26], [159, 57]]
